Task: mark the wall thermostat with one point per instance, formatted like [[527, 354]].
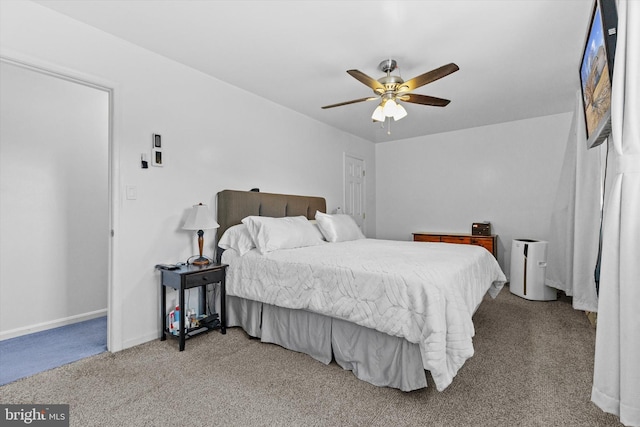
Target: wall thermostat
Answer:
[[156, 150]]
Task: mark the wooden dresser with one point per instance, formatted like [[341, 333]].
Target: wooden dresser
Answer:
[[488, 242]]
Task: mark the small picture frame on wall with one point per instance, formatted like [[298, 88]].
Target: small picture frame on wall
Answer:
[[156, 158], [156, 151]]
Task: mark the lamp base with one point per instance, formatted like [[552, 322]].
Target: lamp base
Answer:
[[201, 261]]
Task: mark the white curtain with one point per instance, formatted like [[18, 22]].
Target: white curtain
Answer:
[[588, 217], [616, 379], [559, 272], [575, 220]]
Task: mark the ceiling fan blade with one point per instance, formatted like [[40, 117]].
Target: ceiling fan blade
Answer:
[[424, 100], [428, 77], [372, 98], [369, 81]]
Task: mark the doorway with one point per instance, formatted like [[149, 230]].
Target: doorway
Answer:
[[55, 199]]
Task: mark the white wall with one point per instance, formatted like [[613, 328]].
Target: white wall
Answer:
[[53, 201], [206, 150], [506, 174]]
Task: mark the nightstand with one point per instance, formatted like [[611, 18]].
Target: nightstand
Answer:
[[192, 276]]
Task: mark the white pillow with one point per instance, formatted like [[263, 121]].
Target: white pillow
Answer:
[[338, 228], [270, 234], [238, 238], [317, 228]]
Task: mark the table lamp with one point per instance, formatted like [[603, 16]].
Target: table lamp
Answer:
[[200, 219]]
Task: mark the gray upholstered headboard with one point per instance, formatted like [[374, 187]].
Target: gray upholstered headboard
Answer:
[[233, 206]]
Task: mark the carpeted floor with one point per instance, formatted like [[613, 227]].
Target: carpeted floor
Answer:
[[533, 367], [29, 354]]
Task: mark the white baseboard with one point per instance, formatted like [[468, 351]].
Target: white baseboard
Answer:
[[13, 333], [141, 340]]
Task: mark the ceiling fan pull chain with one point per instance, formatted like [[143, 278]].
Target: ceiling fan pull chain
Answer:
[[389, 128]]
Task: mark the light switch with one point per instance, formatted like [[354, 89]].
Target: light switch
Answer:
[[132, 192]]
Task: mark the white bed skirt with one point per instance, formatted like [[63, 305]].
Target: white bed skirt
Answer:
[[372, 356]]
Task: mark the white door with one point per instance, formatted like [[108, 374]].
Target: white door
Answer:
[[354, 178]]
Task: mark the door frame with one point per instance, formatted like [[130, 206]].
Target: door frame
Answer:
[[114, 306]]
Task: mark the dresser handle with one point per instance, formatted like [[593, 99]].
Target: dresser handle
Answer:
[[204, 278]]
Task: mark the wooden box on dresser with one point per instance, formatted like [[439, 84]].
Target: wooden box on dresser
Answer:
[[489, 242]]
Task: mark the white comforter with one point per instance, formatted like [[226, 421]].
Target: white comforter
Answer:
[[423, 292]]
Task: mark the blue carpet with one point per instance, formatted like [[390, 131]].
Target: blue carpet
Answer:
[[29, 354]]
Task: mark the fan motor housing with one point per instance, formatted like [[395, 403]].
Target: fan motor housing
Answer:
[[390, 83]]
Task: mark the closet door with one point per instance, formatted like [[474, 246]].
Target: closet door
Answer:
[[354, 191]]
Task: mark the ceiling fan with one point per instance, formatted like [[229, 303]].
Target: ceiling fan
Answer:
[[391, 89]]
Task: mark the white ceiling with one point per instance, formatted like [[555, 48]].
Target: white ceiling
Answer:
[[518, 59]]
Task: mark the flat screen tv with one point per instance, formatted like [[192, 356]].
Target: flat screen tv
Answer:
[[596, 71]]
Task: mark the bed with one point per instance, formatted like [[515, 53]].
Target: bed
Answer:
[[389, 311]]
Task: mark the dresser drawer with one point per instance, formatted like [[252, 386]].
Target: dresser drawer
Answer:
[[425, 238], [206, 277], [486, 243], [464, 240]]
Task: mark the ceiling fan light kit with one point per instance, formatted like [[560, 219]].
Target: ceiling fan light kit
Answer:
[[388, 108], [391, 89]]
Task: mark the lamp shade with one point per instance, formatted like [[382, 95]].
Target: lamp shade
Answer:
[[200, 218], [377, 114], [389, 108], [400, 112]]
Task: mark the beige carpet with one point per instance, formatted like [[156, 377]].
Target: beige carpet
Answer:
[[533, 367]]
